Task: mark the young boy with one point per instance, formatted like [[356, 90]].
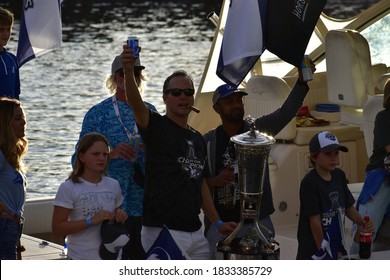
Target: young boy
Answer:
[[9, 68], [325, 197]]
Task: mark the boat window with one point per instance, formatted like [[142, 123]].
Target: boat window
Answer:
[[346, 9], [378, 42]]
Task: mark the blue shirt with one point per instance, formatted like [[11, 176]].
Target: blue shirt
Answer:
[[9, 75], [12, 187]]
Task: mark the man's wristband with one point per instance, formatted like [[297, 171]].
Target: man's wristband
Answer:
[[88, 221], [218, 224]]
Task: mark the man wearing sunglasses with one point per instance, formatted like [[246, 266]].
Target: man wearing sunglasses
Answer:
[[222, 174], [175, 156], [114, 118]]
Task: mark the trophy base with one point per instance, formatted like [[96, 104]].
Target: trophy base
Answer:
[[234, 251]]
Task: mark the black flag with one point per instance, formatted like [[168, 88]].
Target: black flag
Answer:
[[290, 24]]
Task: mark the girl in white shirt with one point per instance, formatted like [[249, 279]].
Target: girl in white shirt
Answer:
[[86, 199]]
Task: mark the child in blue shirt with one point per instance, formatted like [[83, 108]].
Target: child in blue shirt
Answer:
[[9, 68]]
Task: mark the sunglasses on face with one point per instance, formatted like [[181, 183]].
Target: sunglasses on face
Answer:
[[137, 73], [179, 91]]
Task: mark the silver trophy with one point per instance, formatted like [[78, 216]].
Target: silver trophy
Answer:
[[248, 240]]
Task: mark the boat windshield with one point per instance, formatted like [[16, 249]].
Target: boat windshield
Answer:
[[346, 9], [372, 20], [372, 23]]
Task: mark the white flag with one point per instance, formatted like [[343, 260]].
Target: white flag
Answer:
[[40, 29], [242, 42]]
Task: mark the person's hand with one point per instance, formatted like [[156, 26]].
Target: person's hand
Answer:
[[227, 228], [127, 58], [102, 216], [123, 150], [300, 75], [224, 177], [368, 226], [120, 215], [4, 208]]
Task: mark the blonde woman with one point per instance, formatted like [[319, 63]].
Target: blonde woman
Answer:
[[13, 146]]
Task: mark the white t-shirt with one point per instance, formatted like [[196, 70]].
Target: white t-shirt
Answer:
[[86, 199]]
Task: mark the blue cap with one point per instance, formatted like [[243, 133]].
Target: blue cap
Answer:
[[224, 91]]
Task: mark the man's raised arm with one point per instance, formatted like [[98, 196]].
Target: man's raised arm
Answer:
[[133, 96]]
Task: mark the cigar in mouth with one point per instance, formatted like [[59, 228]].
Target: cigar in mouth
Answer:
[[196, 110]]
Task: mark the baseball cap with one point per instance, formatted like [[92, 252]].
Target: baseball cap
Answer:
[[114, 237], [325, 142], [224, 91], [116, 64]]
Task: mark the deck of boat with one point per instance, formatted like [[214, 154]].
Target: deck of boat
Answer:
[[39, 249]]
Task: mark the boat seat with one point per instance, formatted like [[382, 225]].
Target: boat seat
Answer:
[[265, 95], [378, 70], [380, 83], [349, 71]]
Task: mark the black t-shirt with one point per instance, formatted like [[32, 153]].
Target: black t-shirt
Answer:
[[174, 163], [324, 198], [381, 140], [226, 198]]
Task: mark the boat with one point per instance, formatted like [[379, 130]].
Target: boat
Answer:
[[358, 101], [345, 78]]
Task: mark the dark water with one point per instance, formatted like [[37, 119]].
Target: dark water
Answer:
[[59, 87]]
